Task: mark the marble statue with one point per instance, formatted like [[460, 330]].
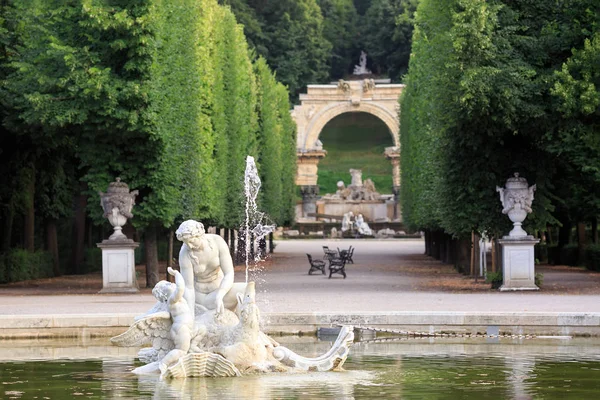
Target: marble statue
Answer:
[[347, 221], [182, 319], [356, 175], [361, 68], [357, 190], [207, 269], [361, 226], [204, 324]]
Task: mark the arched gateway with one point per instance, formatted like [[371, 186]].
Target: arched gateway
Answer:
[[321, 104]]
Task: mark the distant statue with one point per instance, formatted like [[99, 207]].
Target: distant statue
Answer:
[[368, 85], [347, 221], [361, 68], [356, 177], [362, 226], [343, 85]]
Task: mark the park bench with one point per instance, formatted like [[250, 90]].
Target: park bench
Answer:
[[329, 254], [347, 254], [315, 265], [337, 265]]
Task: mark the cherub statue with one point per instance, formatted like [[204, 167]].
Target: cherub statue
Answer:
[[182, 319]]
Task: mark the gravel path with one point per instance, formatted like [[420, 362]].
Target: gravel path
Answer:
[[387, 275]]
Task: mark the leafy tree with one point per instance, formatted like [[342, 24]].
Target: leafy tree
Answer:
[[362, 6], [478, 106], [290, 38], [340, 28], [386, 32], [235, 112]]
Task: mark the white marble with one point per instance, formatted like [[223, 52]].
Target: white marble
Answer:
[[518, 264], [196, 330], [118, 267]]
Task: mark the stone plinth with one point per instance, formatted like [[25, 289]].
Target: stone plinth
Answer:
[[118, 266], [518, 263]]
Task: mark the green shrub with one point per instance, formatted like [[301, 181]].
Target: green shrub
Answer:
[[592, 257], [93, 259], [495, 278], [539, 279], [20, 265], [568, 254], [541, 252]]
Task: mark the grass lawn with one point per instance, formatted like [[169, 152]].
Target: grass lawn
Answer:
[[355, 140]]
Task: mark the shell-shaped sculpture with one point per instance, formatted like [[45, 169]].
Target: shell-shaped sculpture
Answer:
[[332, 360], [201, 364]]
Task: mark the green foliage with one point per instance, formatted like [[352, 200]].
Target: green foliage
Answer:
[[592, 257], [235, 113], [289, 35], [476, 110], [340, 28], [21, 265], [495, 278], [288, 155], [270, 140], [93, 259], [386, 34], [539, 279], [179, 92], [569, 255]]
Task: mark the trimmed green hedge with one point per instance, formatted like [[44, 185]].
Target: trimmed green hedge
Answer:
[[592, 257], [21, 265]]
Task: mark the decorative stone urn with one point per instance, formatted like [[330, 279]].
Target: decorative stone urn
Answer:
[[117, 203], [516, 200], [118, 259], [518, 257]]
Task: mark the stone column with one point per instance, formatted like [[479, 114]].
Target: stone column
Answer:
[[393, 154], [396, 191], [308, 165], [309, 201]]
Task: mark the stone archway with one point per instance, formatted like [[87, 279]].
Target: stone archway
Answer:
[[321, 104]]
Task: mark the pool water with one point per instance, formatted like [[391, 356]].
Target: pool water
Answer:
[[410, 369]]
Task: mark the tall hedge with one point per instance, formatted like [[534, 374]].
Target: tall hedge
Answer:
[[478, 107], [235, 112], [180, 97]]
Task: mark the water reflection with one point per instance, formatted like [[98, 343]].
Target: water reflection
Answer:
[[334, 385], [417, 368]]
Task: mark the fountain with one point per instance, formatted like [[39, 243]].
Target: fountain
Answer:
[[205, 324]]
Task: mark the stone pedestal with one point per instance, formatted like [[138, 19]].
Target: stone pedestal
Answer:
[[118, 266], [309, 201], [518, 263]]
